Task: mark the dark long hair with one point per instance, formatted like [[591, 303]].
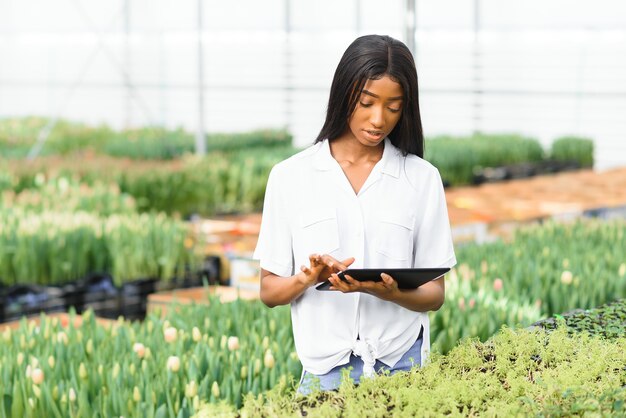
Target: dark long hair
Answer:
[[371, 57]]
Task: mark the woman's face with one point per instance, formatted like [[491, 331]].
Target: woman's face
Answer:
[[377, 112]]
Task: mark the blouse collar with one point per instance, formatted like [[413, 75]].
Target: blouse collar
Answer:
[[390, 161]]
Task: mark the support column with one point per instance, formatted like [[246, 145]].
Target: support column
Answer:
[[409, 34], [200, 136], [477, 91]]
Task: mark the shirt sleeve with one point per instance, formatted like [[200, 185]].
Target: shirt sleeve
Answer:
[[274, 249], [434, 247]]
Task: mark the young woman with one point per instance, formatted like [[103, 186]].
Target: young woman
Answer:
[[361, 196]]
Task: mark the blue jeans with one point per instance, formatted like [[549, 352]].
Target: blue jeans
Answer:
[[332, 379]]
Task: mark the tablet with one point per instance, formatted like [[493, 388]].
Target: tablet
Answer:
[[406, 278]]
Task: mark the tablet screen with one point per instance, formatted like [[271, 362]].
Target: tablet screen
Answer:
[[406, 278]]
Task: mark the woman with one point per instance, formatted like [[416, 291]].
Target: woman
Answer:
[[361, 196]]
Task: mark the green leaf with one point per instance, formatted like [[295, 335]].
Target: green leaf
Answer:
[[161, 412]]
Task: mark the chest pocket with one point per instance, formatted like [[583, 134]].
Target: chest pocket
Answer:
[[319, 231], [395, 237]]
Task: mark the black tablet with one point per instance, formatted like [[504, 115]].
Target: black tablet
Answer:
[[406, 278]]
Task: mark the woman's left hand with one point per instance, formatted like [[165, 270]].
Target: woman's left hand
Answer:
[[386, 289]]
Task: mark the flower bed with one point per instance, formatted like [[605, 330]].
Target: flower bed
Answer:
[[18, 135], [607, 321], [541, 272], [159, 367], [50, 261], [54, 247], [515, 373], [229, 355], [545, 270], [68, 244], [63, 194], [232, 176], [218, 183]]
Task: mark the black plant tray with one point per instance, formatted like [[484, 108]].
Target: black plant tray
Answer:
[[134, 297], [25, 300], [522, 170], [98, 292]]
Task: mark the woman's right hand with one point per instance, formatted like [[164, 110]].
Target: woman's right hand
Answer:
[[321, 267], [275, 290]]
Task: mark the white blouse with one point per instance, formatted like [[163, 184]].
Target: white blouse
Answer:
[[398, 219]]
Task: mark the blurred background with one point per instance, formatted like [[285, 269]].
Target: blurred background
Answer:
[[539, 68]]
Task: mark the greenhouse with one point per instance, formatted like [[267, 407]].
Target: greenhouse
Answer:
[[179, 181]]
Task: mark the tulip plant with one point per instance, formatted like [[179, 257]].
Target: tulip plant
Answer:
[[63, 194], [221, 352], [17, 136], [545, 270], [56, 247], [221, 182], [155, 368]]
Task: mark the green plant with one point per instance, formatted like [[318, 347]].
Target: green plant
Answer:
[[7, 181], [155, 368], [18, 135], [544, 270], [150, 143], [572, 148], [458, 157], [64, 194], [164, 144], [480, 313], [53, 248], [218, 183], [607, 321], [516, 373]]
